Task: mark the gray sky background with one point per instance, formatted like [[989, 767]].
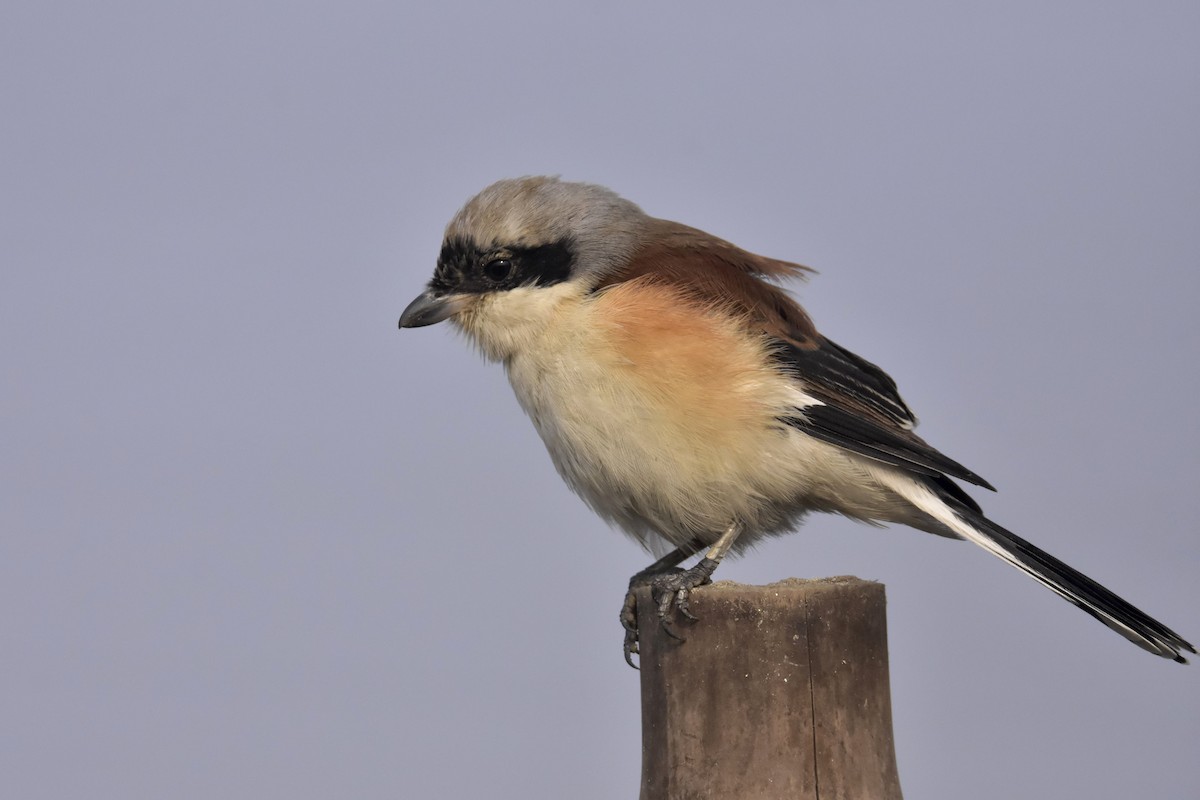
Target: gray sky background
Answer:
[[256, 542]]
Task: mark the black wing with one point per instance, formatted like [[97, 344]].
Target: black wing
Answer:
[[862, 410]]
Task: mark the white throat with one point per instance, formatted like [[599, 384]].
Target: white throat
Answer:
[[509, 323]]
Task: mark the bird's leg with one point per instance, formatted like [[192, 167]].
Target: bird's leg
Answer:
[[670, 585]]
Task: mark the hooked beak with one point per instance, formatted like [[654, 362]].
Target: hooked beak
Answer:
[[429, 309]]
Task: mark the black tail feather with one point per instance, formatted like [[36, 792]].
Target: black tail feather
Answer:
[[1115, 612]]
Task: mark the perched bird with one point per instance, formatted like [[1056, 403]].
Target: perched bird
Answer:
[[690, 401]]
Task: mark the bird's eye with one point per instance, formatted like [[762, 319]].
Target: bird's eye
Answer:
[[498, 269]]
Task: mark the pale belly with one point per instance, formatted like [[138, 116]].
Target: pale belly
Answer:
[[653, 463]]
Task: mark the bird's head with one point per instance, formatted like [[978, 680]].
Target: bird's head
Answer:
[[516, 250]]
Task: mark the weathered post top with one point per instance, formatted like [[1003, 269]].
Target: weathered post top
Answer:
[[780, 691]]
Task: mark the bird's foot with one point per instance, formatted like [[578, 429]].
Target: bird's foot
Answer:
[[667, 588]]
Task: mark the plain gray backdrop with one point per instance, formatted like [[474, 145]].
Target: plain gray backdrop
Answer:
[[256, 542]]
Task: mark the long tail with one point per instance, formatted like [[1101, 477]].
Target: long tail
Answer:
[[1118, 614]]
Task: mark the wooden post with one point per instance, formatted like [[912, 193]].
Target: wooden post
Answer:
[[780, 691]]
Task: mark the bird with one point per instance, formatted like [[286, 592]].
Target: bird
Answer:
[[691, 402]]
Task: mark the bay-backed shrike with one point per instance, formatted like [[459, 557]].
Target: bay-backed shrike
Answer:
[[690, 401]]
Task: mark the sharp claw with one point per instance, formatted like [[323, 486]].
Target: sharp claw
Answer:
[[631, 647], [670, 631], [664, 608], [681, 604]]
